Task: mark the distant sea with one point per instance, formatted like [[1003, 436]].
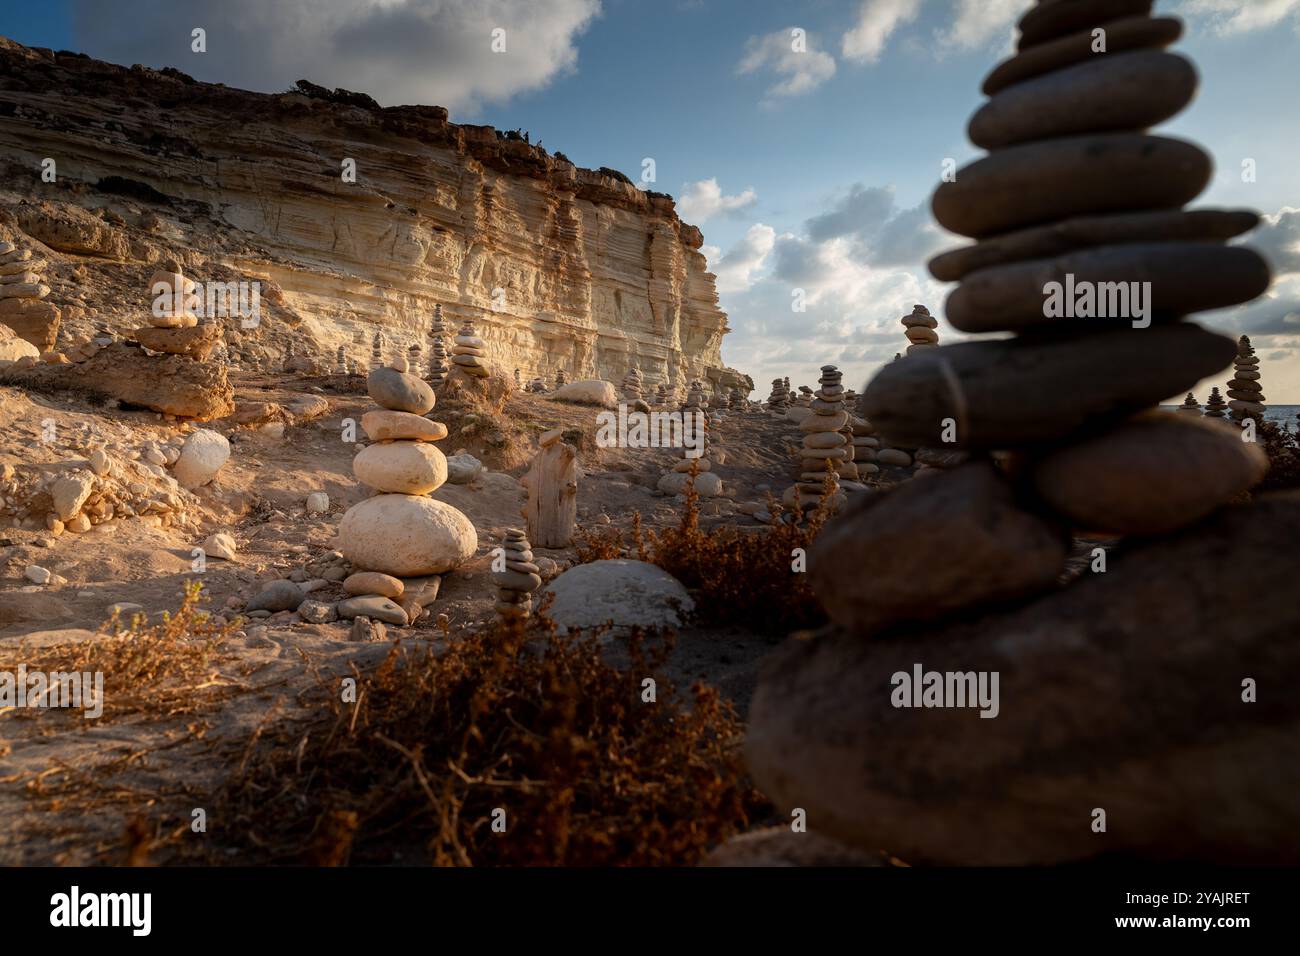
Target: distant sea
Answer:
[[1284, 415]]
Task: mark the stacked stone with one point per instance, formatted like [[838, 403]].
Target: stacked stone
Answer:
[[695, 420], [632, 389], [737, 400], [1077, 196], [413, 355], [661, 394], [519, 380], [1073, 186], [560, 378], [805, 397], [341, 361], [1215, 407], [1244, 390], [401, 531], [780, 397], [467, 351], [1190, 404], [920, 329], [823, 441], [377, 351], [537, 386], [864, 443], [521, 577], [438, 353], [22, 291]]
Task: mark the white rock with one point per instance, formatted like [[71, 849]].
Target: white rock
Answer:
[[204, 453], [69, 493], [592, 391], [401, 467], [220, 545], [406, 536], [628, 593], [99, 461], [463, 468], [318, 503], [37, 574]]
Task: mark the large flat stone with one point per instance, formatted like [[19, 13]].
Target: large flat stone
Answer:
[[1041, 182], [1122, 692], [1004, 394], [1117, 91]]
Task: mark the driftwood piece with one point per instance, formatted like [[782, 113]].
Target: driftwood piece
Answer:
[[552, 484]]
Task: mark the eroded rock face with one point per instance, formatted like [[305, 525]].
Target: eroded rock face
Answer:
[[1110, 695], [599, 273]]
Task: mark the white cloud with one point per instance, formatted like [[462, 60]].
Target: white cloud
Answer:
[[877, 20], [1278, 240], [736, 269], [398, 51], [801, 70], [975, 23], [703, 200], [1240, 16]]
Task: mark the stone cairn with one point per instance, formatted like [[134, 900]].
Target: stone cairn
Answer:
[[1190, 404], [1246, 395], [413, 358], [1215, 406], [537, 386], [377, 351], [661, 394], [560, 378], [695, 419], [919, 327], [467, 351], [521, 577], [1073, 185], [519, 380], [22, 290], [780, 397], [805, 397], [341, 361], [438, 353], [736, 400], [823, 442], [632, 389], [401, 531]]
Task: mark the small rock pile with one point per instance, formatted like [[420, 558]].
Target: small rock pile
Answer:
[[779, 400], [402, 532], [632, 389], [23, 308], [560, 378], [377, 351], [823, 443], [438, 353], [695, 423], [519, 579], [919, 327], [1215, 406], [1245, 393], [467, 351], [1190, 404]]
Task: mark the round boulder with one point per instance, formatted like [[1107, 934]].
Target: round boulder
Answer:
[[406, 536], [401, 467], [619, 592], [204, 453]]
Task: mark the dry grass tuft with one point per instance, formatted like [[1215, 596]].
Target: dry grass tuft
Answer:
[[514, 718], [159, 670], [737, 576]]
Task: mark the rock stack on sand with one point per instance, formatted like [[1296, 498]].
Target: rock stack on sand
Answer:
[[1245, 393], [519, 579], [413, 358], [695, 426], [341, 361], [401, 531], [1073, 186], [1190, 404], [1215, 406], [377, 351], [919, 327], [467, 351], [780, 397], [632, 390], [438, 349], [823, 442], [23, 308]]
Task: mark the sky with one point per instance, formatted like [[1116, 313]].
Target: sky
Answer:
[[809, 170]]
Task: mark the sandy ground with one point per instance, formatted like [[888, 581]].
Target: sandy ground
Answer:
[[259, 498]]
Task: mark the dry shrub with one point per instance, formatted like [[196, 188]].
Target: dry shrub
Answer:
[[737, 576], [1283, 449], [515, 718], [158, 670]]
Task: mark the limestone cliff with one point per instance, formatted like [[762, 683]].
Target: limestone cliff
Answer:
[[590, 274]]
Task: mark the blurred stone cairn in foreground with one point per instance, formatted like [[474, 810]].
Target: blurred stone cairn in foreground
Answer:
[[1122, 709]]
